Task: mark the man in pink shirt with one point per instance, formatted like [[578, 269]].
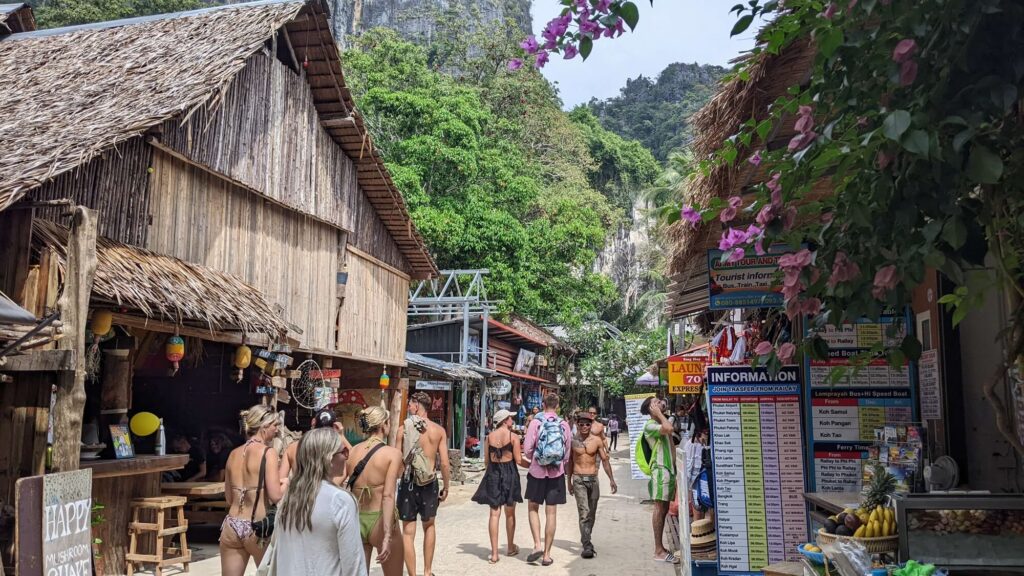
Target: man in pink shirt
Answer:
[[545, 483]]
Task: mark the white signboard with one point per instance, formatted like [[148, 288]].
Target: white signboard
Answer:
[[931, 393], [433, 385], [67, 523], [635, 421]]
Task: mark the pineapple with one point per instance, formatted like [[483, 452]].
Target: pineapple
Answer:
[[877, 493]]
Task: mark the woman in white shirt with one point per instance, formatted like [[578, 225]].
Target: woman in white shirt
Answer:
[[317, 528]]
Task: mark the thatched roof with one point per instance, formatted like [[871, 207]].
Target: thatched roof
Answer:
[[166, 288], [539, 333], [736, 102], [16, 18], [70, 94]]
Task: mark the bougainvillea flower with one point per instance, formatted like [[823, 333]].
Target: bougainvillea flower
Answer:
[[799, 260], [736, 255], [810, 307], [690, 215], [515, 64], [773, 182], [728, 214], [590, 28], [886, 279], [570, 51], [843, 270], [755, 158], [763, 348], [904, 50], [529, 44], [908, 73], [830, 11], [802, 140], [805, 121], [542, 59], [882, 159], [789, 218], [786, 352]]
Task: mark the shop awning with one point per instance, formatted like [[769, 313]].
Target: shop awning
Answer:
[[166, 288], [11, 313], [521, 376], [442, 368]]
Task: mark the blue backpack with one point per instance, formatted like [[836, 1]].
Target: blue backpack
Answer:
[[550, 448]]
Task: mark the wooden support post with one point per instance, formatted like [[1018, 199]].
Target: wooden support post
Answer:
[[69, 405], [397, 397]]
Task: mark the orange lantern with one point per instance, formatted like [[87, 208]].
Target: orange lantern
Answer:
[[175, 351]]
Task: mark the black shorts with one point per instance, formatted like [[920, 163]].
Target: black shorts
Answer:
[[416, 500], [545, 490]]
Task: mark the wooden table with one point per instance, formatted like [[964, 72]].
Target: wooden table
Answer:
[[193, 489], [821, 505]]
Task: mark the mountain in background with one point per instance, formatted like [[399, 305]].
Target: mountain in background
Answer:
[[422, 21], [656, 112]]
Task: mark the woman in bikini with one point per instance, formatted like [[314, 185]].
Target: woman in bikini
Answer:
[[373, 472], [325, 418], [501, 486], [242, 481]]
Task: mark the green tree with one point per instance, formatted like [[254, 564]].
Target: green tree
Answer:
[[59, 13]]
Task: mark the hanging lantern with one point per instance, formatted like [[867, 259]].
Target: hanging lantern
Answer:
[[175, 351], [385, 380], [243, 356], [102, 322]]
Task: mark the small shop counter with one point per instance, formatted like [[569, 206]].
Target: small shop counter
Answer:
[[821, 505], [115, 483]]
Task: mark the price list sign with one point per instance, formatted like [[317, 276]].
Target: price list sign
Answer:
[[843, 415], [756, 441]]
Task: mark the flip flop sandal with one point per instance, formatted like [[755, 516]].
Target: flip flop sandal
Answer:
[[547, 562], [493, 560], [534, 556], [514, 551], [669, 558]]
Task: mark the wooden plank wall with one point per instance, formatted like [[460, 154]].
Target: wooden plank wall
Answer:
[[24, 414], [265, 134], [504, 354], [373, 318], [290, 257], [114, 184]]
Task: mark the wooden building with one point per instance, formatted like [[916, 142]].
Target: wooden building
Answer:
[[221, 187]]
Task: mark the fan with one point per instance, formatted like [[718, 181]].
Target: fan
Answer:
[[943, 474], [309, 390]]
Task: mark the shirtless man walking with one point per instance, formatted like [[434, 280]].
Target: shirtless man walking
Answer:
[[415, 499], [373, 469], [581, 475]]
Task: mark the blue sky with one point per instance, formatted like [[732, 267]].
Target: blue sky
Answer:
[[670, 31]]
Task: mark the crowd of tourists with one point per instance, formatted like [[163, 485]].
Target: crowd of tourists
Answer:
[[326, 507]]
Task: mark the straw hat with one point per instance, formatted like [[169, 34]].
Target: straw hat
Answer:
[[702, 533], [501, 415]]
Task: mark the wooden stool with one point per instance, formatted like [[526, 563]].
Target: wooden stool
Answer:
[[161, 506]]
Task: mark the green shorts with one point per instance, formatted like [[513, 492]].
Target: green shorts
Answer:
[[662, 485]]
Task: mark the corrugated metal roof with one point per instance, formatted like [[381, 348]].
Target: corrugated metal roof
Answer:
[[442, 368]]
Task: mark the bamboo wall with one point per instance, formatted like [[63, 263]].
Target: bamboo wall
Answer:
[[372, 321], [291, 258], [114, 184], [265, 133]]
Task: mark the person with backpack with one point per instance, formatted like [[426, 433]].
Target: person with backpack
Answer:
[[424, 443], [655, 448], [545, 450]]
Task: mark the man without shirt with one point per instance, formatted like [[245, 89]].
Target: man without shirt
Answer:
[[418, 500], [581, 476]]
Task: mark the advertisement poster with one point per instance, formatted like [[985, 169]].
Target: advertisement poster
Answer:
[[756, 440], [746, 283], [931, 392], [843, 415], [686, 373], [635, 422]]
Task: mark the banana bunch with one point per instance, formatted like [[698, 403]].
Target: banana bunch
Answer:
[[880, 522]]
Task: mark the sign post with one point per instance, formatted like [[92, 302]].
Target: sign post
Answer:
[[686, 374], [67, 523]]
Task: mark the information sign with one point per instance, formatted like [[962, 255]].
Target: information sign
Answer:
[[756, 440], [686, 374], [747, 283]]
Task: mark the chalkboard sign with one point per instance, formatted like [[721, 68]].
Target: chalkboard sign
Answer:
[[67, 523]]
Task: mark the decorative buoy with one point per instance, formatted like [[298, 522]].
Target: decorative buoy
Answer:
[[175, 351]]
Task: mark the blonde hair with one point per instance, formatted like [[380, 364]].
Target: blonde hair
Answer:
[[312, 466], [372, 418], [257, 417]]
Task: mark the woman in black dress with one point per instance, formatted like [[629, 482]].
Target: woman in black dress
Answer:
[[500, 486]]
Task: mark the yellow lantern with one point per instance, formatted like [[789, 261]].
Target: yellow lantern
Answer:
[[102, 322], [243, 357]]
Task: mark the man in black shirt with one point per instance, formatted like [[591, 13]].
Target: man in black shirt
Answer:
[[196, 467]]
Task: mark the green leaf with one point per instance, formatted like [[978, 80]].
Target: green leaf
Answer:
[[895, 124], [742, 24], [949, 299], [586, 45], [911, 347], [931, 230], [984, 166], [916, 142], [959, 314], [961, 138], [630, 14], [830, 41], [935, 259], [954, 233]]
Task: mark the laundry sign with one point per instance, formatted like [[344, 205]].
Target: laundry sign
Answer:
[[686, 374]]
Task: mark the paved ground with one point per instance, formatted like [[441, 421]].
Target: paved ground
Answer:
[[622, 536]]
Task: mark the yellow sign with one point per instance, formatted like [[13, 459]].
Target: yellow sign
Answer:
[[686, 374]]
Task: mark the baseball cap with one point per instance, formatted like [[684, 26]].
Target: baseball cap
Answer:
[[583, 415], [324, 418], [501, 415]]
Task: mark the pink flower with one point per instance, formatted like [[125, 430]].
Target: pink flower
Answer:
[[851, 5], [786, 352], [843, 270], [570, 51], [763, 348], [827, 217], [886, 279], [904, 50], [908, 73], [515, 64], [759, 247], [789, 218], [755, 159], [862, 121], [882, 159], [542, 59], [830, 11], [810, 307], [805, 121], [529, 44], [800, 260], [752, 231], [690, 215], [735, 201], [801, 141], [728, 214], [603, 6], [736, 255], [765, 216], [590, 28], [614, 31], [793, 308], [731, 238], [773, 182]]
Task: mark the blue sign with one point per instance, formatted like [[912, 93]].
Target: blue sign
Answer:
[[750, 282]]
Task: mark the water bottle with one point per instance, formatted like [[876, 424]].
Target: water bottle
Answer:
[[161, 440]]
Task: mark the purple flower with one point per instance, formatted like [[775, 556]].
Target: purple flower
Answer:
[[515, 64], [617, 30], [570, 51], [542, 59], [904, 50], [690, 215], [801, 141], [773, 182], [603, 6], [830, 11], [786, 352], [736, 255], [755, 159], [529, 44], [805, 121], [728, 214], [731, 238], [590, 27], [763, 348], [886, 279], [908, 73]]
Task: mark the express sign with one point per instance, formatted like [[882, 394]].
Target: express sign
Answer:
[[686, 374]]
